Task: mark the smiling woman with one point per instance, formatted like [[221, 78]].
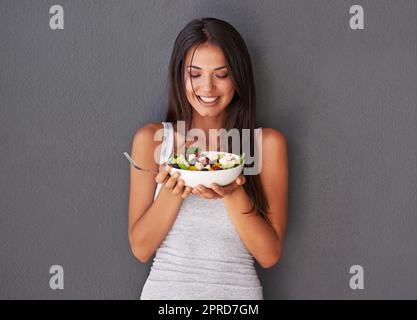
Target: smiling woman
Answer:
[[206, 239], [207, 86]]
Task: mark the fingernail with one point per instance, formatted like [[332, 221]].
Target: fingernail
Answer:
[[166, 168]]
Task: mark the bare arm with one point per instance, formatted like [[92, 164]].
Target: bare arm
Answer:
[[265, 242], [149, 220]]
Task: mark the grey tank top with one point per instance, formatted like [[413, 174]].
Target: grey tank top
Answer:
[[202, 256]]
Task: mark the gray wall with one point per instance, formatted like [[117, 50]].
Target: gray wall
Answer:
[[70, 101]]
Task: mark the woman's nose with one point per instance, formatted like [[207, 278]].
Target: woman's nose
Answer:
[[207, 83]]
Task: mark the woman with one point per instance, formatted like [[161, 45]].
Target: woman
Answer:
[[206, 239]]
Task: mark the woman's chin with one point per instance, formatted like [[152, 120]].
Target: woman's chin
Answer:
[[207, 112]]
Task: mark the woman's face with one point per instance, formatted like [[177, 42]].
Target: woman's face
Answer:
[[210, 78]]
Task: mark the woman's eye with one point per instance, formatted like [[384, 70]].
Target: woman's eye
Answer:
[[218, 76]]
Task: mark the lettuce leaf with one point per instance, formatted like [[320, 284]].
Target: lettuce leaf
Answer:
[[182, 166], [242, 158], [192, 150]]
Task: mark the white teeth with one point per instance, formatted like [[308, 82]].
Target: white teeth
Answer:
[[208, 99]]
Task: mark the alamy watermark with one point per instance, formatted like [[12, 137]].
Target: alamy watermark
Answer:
[[357, 280], [57, 280], [357, 20], [254, 161]]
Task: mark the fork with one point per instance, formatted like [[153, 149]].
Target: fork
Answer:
[[133, 163]]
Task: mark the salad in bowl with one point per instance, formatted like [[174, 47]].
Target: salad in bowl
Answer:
[[206, 167]]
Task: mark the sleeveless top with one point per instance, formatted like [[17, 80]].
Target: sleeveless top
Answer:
[[202, 256]]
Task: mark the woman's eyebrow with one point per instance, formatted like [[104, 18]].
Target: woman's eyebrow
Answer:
[[218, 68]]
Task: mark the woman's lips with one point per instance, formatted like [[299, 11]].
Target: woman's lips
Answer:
[[209, 100]]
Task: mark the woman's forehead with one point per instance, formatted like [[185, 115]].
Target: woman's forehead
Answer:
[[207, 57]]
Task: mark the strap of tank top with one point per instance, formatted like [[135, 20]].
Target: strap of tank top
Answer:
[[168, 142]]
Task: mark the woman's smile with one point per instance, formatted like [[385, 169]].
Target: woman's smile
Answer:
[[208, 101]]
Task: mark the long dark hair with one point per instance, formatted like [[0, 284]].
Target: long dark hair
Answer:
[[240, 113]]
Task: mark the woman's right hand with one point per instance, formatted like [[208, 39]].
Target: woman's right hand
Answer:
[[172, 182]]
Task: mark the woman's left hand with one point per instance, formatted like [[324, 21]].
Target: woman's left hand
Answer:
[[216, 191]]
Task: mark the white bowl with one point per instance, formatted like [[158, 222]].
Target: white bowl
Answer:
[[223, 177]]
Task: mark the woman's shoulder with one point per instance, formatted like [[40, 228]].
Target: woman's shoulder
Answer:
[[149, 128], [146, 133], [272, 137]]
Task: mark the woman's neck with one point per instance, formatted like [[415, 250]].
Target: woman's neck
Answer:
[[204, 124], [207, 123]]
